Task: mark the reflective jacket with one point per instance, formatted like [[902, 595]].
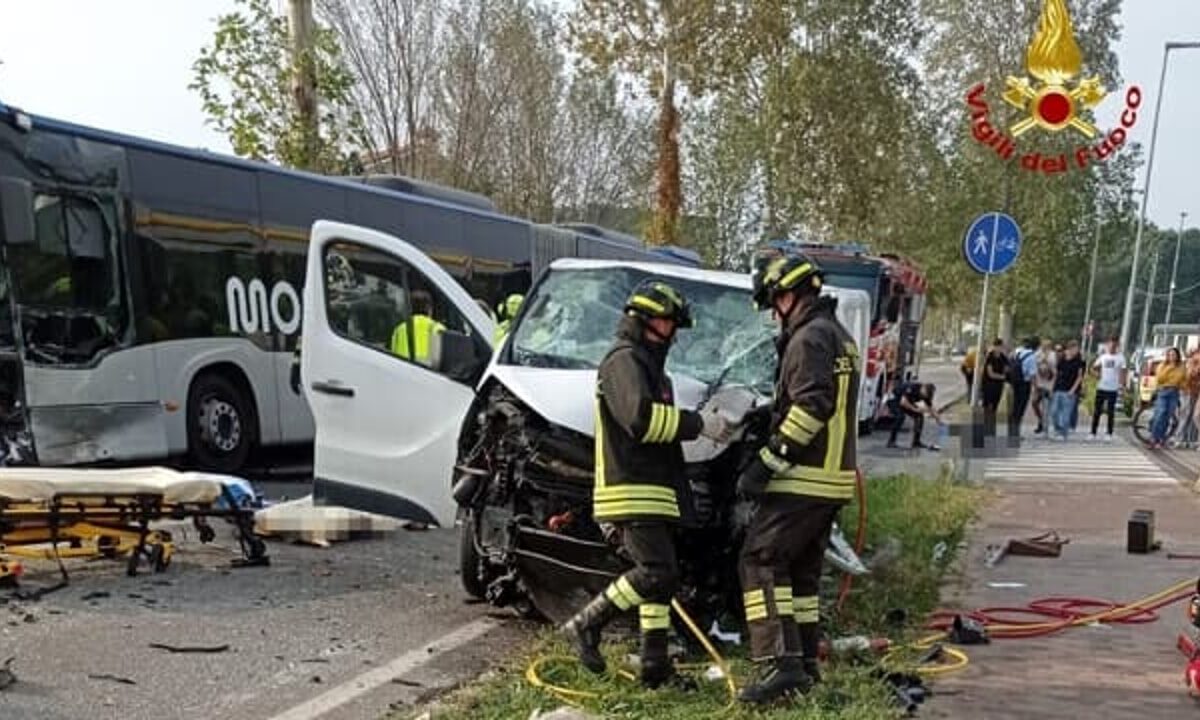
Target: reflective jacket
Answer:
[[813, 449], [423, 328], [639, 431]]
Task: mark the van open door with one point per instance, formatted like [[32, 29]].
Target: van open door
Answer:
[[392, 350]]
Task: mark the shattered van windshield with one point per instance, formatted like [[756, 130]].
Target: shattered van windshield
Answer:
[[573, 314]]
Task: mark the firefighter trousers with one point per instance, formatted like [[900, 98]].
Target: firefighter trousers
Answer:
[[653, 581], [780, 571]]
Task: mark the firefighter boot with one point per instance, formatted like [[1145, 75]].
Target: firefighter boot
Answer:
[[810, 638], [785, 676], [583, 631], [657, 669]]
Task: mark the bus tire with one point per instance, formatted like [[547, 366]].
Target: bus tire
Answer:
[[222, 423]]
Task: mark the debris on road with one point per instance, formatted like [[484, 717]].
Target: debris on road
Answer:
[[302, 521], [190, 648], [113, 678], [7, 676]]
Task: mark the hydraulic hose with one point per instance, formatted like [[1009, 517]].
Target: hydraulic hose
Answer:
[[574, 697], [1048, 616]]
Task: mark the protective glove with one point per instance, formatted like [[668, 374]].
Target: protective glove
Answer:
[[612, 535], [752, 482], [717, 427]]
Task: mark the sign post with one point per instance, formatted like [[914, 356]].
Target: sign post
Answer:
[[991, 246]]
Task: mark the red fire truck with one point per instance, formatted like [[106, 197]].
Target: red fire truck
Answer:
[[897, 288]]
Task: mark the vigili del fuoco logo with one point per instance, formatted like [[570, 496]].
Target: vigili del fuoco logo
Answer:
[[1052, 101]]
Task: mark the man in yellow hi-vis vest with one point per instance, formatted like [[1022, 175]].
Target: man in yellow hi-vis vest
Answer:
[[800, 478], [421, 326], [505, 313], [639, 464]]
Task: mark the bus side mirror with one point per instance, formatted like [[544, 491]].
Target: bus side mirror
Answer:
[[16, 212]]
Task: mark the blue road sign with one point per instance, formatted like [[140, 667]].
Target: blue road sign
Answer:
[[992, 243]]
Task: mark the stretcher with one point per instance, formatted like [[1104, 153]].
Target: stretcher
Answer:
[[51, 513]]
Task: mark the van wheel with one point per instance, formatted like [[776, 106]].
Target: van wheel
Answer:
[[221, 424], [470, 564]]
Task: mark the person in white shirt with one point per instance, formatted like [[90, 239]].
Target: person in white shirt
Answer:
[[1111, 368]]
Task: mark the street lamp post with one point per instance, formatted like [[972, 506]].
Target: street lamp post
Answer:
[[1175, 268], [1087, 315], [1127, 317]]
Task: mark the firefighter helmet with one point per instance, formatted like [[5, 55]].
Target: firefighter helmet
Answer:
[[780, 273], [656, 299]]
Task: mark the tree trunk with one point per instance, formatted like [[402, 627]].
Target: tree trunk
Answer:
[[1006, 324], [665, 228], [304, 79]]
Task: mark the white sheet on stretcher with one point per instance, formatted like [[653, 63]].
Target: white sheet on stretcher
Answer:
[[22, 484]]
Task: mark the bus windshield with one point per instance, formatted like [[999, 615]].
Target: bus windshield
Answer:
[[66, 280], [573, 314]]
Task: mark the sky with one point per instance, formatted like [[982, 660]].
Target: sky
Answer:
[[125, 65]]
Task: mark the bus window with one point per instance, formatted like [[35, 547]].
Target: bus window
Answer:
[[67, 280]]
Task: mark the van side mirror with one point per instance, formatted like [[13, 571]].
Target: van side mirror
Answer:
[[16, 212], [460, 358]]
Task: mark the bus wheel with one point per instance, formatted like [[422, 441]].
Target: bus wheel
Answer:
[[221, 424]]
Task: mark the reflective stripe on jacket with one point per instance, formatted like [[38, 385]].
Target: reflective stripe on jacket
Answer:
[[813, 450], [423, 328], [639, 431]]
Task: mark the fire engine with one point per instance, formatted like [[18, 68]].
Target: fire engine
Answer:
[[897, 288]]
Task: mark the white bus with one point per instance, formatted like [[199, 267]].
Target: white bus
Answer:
[[150, 295]]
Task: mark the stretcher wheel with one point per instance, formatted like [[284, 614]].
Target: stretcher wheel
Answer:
[[207, 534], [258, 548]]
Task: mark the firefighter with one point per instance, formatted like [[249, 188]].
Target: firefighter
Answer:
[[800, 478], [639, 465], [506, 312]]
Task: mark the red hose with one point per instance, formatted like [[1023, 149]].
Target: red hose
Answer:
[[1054, 614], [860, 537]]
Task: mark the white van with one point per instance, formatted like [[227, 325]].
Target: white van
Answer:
[[388, 427]]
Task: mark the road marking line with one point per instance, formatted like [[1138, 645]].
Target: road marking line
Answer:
[[372, 679]]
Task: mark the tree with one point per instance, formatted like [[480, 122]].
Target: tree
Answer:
[[244, 79], [392, 48], [671, 45], [815, 122]]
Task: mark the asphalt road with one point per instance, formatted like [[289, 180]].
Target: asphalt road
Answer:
[[356, 628]]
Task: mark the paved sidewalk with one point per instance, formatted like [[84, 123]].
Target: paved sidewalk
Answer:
[[1085, 492]]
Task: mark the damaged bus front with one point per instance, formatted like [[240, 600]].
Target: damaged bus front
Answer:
[[524, 476], [63, 303]]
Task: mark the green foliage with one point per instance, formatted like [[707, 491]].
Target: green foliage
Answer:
[[669, 45], [244, 79], [918, 514]]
